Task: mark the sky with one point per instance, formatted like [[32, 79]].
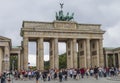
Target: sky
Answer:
[[104, 12]]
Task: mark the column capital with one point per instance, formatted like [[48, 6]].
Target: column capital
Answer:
[[40, 37], [88, 38], [1, 62], [74, 38], [100, 38], [25, 37]]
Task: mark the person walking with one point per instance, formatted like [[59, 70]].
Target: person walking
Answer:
[[60, 76], [37, 76], [3, 78], [82, 71], [96, 72]]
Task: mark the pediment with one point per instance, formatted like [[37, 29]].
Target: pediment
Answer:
[[4, 38]]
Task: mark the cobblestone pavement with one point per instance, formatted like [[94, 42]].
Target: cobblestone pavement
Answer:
[[85, 80]]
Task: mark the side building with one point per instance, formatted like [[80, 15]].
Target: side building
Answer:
[[6, 52], [111, 57]]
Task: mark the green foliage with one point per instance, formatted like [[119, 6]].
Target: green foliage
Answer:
[[13, 62], [47, 65], [63, 61]]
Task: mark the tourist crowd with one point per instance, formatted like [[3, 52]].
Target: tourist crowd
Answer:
[[62, 74]]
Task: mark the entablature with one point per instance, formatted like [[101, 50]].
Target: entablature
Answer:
[[61, 35]]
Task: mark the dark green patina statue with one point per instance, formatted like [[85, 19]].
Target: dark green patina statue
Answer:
[[60, 16]]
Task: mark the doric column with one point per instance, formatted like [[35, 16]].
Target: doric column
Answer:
[[40, 52], [1, 54], [79, 54], [106, 58], [119, 59], [37, 56], [21, 59], [85, 54], [101, 56], [51, 54], [74, 53], [114, 59], [82, 53], [25, 52], [56, 57], [69, 51], [18, 61], [6, 58], [97, 47], [88, 57]]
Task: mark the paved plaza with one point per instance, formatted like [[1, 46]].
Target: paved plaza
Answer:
[[85, 80]]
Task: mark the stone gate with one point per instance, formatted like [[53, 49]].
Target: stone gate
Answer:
[[88, 37]]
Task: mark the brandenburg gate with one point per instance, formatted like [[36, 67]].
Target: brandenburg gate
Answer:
[[88, 37]]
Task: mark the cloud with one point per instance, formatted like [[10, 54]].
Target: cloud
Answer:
[[32, 59], [13, 12], [61, 48], [111, 37]]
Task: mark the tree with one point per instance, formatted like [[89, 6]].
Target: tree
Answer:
[[63, 61], [13, 62], [47, 65]]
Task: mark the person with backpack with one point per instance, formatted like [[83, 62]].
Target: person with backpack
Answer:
[[37, 76], [60, 75], [3, 78], [96, 72]]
